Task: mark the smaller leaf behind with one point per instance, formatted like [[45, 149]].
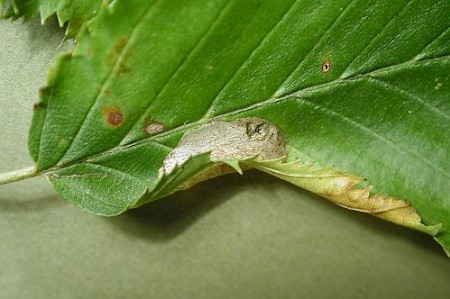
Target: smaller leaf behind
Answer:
[[75, 13], [84, 185]]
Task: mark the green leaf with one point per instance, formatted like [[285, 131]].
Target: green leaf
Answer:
[[76, 13], [361, 85]]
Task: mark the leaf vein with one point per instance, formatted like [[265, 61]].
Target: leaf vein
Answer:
[[422, 52], [183, 61], [293, 94], [261, 43], [116, 170], [403, 92], [109, 75], [257, 105], [345, 74], [371, 132], [334, 23]]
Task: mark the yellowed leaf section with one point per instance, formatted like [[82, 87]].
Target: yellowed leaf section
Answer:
[[339, 187]]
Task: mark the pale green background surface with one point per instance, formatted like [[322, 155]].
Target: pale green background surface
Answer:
[[233, 237]]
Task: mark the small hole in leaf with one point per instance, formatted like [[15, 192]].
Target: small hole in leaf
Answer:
[[326, 67]]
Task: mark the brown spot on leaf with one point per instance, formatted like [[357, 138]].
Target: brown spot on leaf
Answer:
[[44, 91], [120, 44], [153, 127], [107, 92], [104, 91], [113, 116], [326, 66], [39, 105], [117, 58], [123, 68]]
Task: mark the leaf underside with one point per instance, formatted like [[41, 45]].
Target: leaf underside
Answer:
[[361, 85]]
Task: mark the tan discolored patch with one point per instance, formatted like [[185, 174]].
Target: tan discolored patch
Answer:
[[123, 67], [211, 172], [207, 174], [153, 127], [113, 116], [118, 56], [103, 91], [120, 44], [106, 92], [326, 66]]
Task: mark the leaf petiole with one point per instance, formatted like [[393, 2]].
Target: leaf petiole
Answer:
[[17, 175]]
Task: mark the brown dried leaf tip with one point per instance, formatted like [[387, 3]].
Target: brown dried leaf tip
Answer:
[[113, 116]]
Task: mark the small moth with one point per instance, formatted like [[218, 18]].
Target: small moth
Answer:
[[236, 140]]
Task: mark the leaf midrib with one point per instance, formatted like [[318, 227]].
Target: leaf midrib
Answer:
[[298, 93]]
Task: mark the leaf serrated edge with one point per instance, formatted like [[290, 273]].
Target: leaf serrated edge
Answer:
[[342, 189], [64, 14]]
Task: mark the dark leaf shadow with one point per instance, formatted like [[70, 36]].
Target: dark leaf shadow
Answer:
[[165, 219], [31, 205], [390, 230]]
